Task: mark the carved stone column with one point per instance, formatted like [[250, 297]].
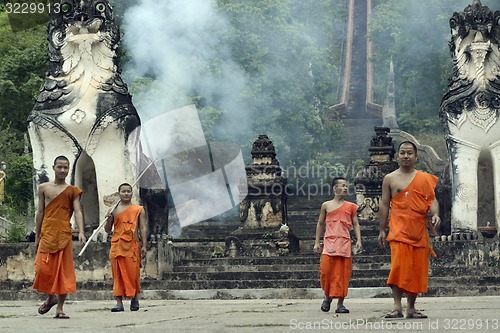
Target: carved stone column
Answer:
[[265, 203], [369, 181]]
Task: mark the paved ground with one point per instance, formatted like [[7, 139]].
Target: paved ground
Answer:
[[459, 314]]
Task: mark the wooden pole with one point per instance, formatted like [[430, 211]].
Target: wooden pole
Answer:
[[103, 222]]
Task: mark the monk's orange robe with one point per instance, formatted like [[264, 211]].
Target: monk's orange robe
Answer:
[[336, 259], [408, 236], [125, 253], [54, 266]]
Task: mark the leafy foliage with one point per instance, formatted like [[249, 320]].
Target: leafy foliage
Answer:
[[289, 58], [19, 185], [22, 72]]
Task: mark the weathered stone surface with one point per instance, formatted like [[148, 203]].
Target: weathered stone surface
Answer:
[[368, 182], [265, 203], [469, 113], [85, 112]]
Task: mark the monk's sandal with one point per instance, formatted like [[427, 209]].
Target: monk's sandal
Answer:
[[134, 305], [117, 308]]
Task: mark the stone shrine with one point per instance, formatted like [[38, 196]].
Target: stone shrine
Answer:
[[368, 182], [265, 203]]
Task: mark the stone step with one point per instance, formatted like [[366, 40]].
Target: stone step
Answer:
[[277, 275], [452, 291], [454, 272], [263, 268], [370, 246], [248, 293], [478, 284], [304, 228], [466, 281], [271, 283], [282, 260], [196, 284], [438, 286]]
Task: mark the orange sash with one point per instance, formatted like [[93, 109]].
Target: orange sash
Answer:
[[409, 208], [125, 225], [337, 240], [56, 225]]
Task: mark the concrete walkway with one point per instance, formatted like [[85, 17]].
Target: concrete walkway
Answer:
[[464, 314]]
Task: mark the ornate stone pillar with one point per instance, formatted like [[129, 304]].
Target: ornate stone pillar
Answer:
[[265, 204], [464, 187], [369, 181]]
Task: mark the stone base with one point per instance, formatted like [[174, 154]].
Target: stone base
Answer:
[[262, 242]]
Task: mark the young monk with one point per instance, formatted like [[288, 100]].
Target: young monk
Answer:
[[336, 258], [409, 195], [54, 266], [129, 220]]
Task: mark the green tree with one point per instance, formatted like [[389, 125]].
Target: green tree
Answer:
[[288, 54], [22, 71], [19, 185]]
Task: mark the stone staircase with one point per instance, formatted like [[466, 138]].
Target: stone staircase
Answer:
[[301, 270], [295, 270]]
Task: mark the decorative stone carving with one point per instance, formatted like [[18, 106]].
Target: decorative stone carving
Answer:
[[469, 114], [265, 203], [368, 182], [84, 110]]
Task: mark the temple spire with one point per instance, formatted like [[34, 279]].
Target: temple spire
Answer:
[[389, 109]]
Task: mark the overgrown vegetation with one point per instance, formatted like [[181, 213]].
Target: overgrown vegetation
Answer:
[[14, 225]]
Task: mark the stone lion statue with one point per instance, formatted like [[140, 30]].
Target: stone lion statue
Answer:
[[469, 113], [85, 112]]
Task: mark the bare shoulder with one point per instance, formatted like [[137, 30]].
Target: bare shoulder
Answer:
[[391, 175], [43, 187], [326, 203]]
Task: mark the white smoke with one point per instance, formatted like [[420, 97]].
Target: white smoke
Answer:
[[179, 43]]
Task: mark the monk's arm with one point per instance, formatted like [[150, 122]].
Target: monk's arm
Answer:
[[357, 231], [77, 212], [319, 228], [39, 214], [384, 209], [434, 209], [143, 230], [109, 222]]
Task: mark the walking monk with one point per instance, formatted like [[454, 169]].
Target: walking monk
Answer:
[[409, 195], [336, 258], [129, 219], [54, 266]]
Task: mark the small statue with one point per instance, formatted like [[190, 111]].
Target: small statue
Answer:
[[2, 182]]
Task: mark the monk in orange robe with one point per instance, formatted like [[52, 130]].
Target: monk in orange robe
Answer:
[[127, 221], [409, 195], [336, 256], [54, 267]]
